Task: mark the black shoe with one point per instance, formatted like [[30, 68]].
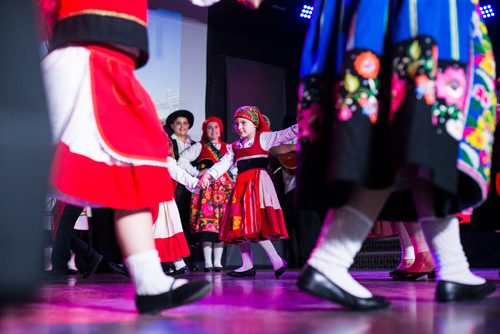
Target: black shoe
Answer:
[[119, 268], [184, 294], [92, 264], [246, 273], [218, 269], [72, 272], [209, 269], [181, 271], [280, 271], [456, 292], [315, 283]]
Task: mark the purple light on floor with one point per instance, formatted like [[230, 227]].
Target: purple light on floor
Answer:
[[487, 11], [306, 12]]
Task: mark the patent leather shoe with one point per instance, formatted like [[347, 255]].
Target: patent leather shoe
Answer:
[[281, 270], [315, 283], [208, 269], [119, 268], [247, 273], [184, 294], [218, 269], [181, 271], [447, 291]]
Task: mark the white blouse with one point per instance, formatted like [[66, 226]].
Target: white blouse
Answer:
[[191, 154], [267, 140]]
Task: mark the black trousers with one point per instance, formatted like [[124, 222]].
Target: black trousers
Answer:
[[66, 240]]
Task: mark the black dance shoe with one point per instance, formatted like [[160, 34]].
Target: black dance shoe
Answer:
[[315, 283], [218, 269], [209, 269], [181, 271], [247, 273], [184, 294], [456, 292], [281, 270], [93, 261], [405, 275], [119, 268]]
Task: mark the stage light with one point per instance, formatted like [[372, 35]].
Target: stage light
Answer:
[[306, 11], [487, 11]]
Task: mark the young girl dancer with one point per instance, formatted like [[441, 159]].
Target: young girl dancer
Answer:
[[253, 212], [94, 99], [207, 207]]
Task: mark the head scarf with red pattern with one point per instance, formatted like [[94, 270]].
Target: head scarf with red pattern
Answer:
[[253, 114], [204, 136]]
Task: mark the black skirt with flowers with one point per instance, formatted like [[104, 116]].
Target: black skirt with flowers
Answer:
[[405, 89]]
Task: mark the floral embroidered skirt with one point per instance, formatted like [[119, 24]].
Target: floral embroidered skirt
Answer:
[[208, 207], [253, 211], [393, 85], [110, 148]]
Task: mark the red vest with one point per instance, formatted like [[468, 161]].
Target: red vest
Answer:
[[206, 155], [120, 22], [253, 151]]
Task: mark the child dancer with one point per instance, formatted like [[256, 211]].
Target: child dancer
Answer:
[[208, 207], [105, 127], [253, 212]]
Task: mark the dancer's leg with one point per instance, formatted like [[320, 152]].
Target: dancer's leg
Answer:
[[207, 253], [246, 256], [276, 260], [218, 250]]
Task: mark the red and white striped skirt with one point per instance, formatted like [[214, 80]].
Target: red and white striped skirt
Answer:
[[253, 211]]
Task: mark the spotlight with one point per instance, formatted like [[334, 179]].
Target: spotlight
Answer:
[[307, 11], [487, 11]]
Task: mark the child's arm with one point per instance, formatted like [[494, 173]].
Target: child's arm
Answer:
[[275, 138], [181, 176], [217, 169], [188, 156]]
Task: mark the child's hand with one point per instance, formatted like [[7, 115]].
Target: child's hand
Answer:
[[204, 181], [253, 4]]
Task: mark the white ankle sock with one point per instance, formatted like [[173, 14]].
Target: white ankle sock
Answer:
[[407, 250], [417, 237], [147, 274], [218, 250], [276, 260], [443, 235], [207, 254], [342, 236], [178, 264], [246, 256]]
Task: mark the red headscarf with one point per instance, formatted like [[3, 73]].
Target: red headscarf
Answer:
[[204, 136], [253, 114]]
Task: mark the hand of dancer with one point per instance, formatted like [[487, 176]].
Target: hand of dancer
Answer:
[[252, 4], [204, 181]]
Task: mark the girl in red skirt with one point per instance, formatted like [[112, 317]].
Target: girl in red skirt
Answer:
[[110, 148], [253, 212]]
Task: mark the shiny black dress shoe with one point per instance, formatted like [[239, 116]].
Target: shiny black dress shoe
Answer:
[[280, 271], [184, 294], [181, 271], [247, 273], [456, 292], [405, 275], [218, 269], [119, 268], [315, 283], [208, 269]]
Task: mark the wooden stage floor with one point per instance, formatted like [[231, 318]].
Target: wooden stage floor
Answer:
[[104, 303]]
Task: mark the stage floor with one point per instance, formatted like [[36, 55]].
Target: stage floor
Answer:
[[104, 304]]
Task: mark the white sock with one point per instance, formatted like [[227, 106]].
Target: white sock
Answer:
[[246, 256], [218, 250], [443, 235], [71, 262], [147, 274], [342, 236], [407, 250], [417, 237], [274, 257], [207, 254], [178, 264]]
